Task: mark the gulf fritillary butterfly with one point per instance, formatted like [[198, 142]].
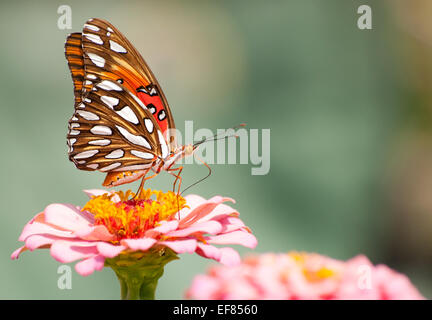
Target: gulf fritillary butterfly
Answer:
[[122, 121]]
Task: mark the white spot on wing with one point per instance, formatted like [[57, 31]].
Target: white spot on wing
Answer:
[[127, 114], [91, 27], [91, 76], [93, 38], [88, 115], [70, 143], [152, 109], [97, 60], [101, 142], [114, 46], [109, 85], [143, 155], [164, 147], [115, 154], [101, 130], [149, 125], [81, 105], [86, 154], [162, 115], [92, 166], [110, 101], [111, 166], [139, 140]]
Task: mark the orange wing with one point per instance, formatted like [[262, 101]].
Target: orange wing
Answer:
[[74, 56], [109, 55]]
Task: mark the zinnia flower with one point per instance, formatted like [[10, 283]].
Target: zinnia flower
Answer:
[[302, 276], [138, 236]]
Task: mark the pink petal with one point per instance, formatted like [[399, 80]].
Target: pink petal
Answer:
[[95, 192], [66, 216], [229, 257], [219, 199], [166, 226], [40, 217], [36, 241], [236, 237], [203, 288], [181, 246], [69, 251], [205, 209], [109, 250], [89, 265], [98, 232], [33, 228], [220, 212], [17, 252], [139, 244], [194, 200], [208, 251], [230, 224], [212, 227]]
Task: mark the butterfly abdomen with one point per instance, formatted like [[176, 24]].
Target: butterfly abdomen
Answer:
[[115, 178]]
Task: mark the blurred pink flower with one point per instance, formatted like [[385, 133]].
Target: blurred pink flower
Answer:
[[110, 225], [296, 276]]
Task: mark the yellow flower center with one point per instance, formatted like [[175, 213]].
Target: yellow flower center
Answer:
[[132, 216]]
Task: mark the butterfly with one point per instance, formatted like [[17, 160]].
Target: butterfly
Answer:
[[122, 122]]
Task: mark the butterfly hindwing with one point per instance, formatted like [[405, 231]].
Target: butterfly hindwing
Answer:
[[112, 130]]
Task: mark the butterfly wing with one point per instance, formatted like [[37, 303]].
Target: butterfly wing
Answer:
[[112, 130], [108, 55], [75, 59]]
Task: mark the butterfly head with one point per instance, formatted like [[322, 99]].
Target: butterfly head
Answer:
[[189, 149]]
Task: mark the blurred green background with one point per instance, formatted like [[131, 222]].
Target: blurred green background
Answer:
[[350, 113]]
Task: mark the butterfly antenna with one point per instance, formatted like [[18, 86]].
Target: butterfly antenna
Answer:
[[216, 136], [202, 179]]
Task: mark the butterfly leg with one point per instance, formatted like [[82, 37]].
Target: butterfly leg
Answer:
[[137, 194], [178, 177], [171, 171]]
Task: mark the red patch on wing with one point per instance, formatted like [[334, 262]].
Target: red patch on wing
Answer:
[[156, 107]]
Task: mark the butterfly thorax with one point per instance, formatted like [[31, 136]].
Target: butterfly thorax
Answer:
[[175, 156]]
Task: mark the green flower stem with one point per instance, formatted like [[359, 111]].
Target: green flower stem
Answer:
[[139, 272]]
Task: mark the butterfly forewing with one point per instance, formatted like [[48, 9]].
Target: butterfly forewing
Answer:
[[74, 56], [109, 55]]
